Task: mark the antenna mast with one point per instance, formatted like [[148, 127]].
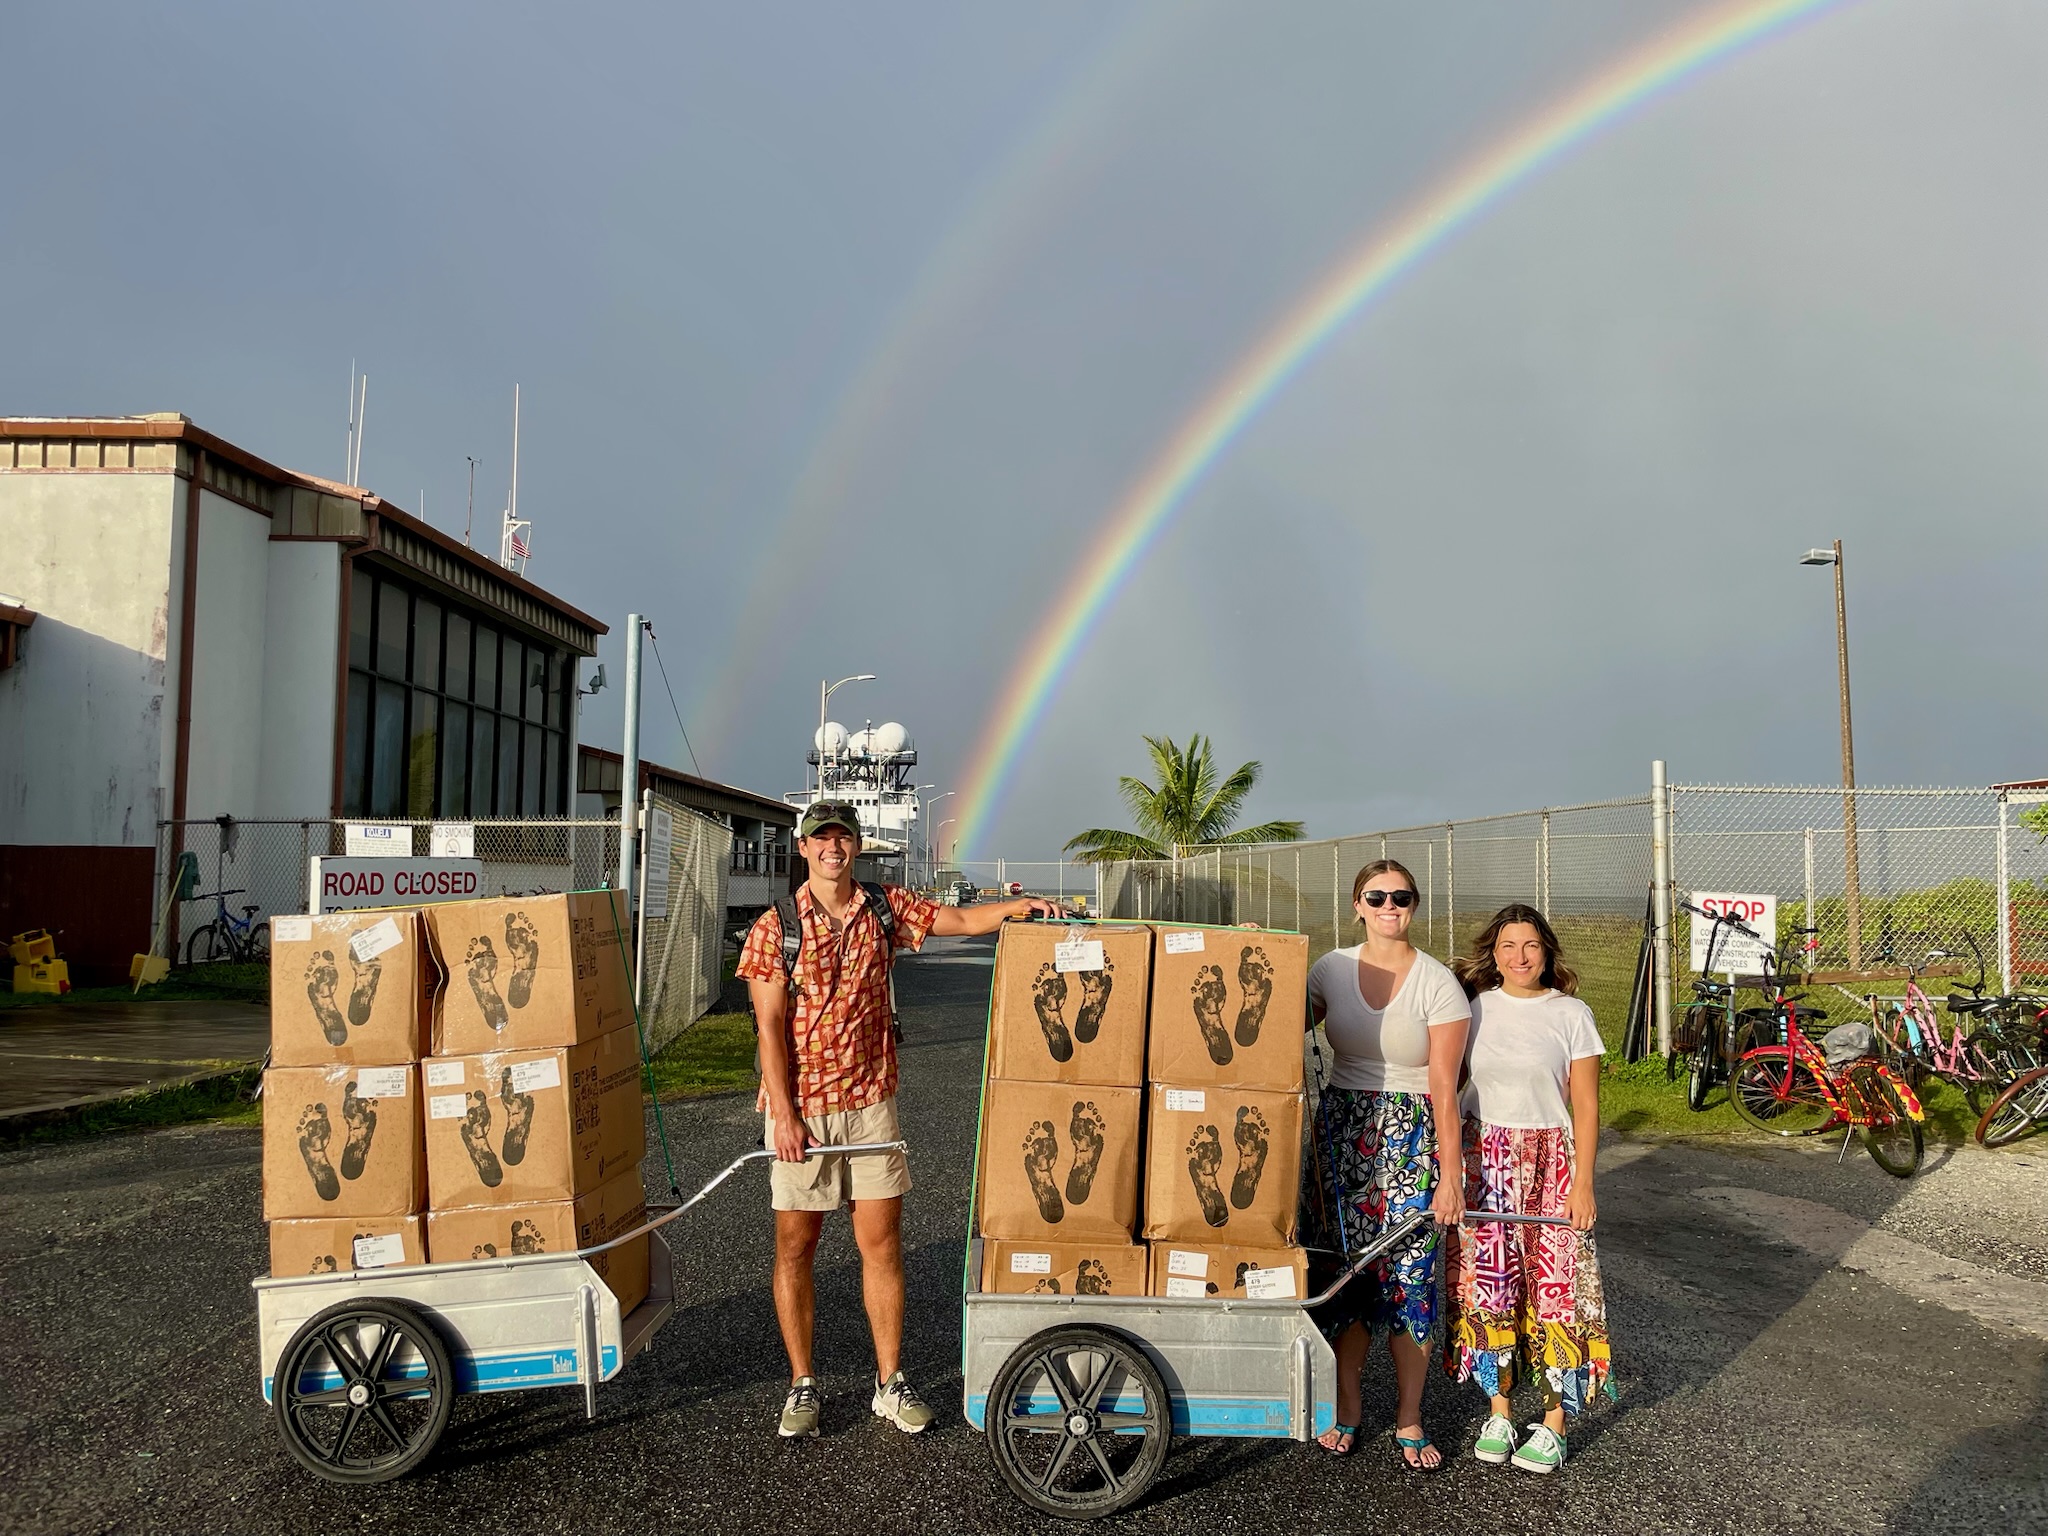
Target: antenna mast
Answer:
[[512, 547]]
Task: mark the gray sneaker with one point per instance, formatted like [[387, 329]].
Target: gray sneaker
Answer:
[[897, 1401], [800, 1410]]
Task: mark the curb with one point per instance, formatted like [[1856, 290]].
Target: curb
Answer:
[[17, 1126]]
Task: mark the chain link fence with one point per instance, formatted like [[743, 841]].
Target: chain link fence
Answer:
[[1059, 879], [686, 858]]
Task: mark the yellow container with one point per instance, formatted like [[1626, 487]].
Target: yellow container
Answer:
[[36, 944], [42, 976]]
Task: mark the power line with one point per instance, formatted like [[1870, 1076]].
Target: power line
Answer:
[[671, 696]]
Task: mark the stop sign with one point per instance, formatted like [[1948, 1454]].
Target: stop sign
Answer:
[[1016, 888]]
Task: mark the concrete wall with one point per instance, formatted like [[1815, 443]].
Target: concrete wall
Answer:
[[87, 712], [228, 640], [302, 636]]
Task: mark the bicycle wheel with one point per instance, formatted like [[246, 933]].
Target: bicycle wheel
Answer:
[[203, 946], [256, 948], [1892, 1138], [2022, 1107], [1699, 1077], [1780, 1094]]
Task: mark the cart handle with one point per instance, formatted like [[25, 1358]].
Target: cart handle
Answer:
[[1408, 1224], [732, 1168]]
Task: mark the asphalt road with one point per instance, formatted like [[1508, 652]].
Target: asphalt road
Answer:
[[1799, 1347]]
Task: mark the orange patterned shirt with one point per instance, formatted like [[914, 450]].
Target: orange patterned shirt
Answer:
[[842, 1049]]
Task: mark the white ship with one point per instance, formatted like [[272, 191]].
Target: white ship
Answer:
[[870, 769]]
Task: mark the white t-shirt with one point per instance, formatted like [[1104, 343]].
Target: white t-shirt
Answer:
[[1520, 1053], [1386, 1049]]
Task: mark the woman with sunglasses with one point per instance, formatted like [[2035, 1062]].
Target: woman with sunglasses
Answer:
[[1525, 1301], [1395, 1020]]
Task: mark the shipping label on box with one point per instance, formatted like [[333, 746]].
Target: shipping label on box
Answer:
[[1183, 1269], [554, 1226], [528, 972], [327, 1245], [1063, 1269], [1228, 1007], [341, 1141], [505, 1127], [1069, 1003], [1059, 1162], [1222, 1165], [349, 987]]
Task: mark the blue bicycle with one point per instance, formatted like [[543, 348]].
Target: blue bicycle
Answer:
[[241, 940]]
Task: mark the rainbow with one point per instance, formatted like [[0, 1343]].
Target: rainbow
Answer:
[[1134, 525]]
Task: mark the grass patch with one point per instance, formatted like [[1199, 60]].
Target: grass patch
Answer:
[[207, 983], [1636, 1101], [222, 1100], [714, 1055]]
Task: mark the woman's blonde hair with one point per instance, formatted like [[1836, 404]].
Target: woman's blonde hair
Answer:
[[1478, 972], [1382, 867]]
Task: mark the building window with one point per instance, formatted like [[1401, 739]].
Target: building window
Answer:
[[447, 716]]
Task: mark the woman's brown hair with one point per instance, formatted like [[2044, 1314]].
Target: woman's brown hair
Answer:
[[1479, 973], [1382, 867]]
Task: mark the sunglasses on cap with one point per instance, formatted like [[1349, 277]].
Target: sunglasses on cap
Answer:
[[1381, 898], [828, 813]]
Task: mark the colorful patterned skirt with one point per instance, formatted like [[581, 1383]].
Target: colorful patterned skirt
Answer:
[[1525, 1297], [1375, 1161]]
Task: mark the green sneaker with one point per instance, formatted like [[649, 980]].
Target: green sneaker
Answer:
[[1542, 1452], [1496, 1441], [897, 1401], [800, 1410]]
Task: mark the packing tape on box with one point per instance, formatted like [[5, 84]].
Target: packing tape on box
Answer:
[[374, 940], [382, 1082]]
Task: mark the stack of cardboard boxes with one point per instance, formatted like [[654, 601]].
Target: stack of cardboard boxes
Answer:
[[1084, 1017], [520, 1130]]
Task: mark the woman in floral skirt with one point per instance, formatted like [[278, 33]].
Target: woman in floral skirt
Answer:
[[1524, 1300]]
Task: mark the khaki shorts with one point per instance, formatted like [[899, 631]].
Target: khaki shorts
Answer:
[[827, 1183]]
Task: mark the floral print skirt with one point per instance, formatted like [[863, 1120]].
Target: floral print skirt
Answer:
[[1524, 1299], [1374, 1162]]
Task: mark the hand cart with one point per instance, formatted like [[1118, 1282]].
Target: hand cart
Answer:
[[1080, 1396], [362, 1369]]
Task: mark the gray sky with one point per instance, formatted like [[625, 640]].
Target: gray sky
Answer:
[[841, 330]]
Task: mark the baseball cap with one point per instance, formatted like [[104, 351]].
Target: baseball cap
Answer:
[[829, 813]]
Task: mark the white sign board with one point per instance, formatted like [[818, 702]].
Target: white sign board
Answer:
[[1734, 951], [661, 836], [348, 885], [453, 840], [377, 840]]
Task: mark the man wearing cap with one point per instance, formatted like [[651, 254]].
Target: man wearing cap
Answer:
[[828, 1078]]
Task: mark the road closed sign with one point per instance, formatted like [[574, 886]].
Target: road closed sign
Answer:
[[1734, 950], [347, 885]]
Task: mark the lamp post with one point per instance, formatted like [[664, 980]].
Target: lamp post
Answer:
[[825, 693], [942, 827], [1833, 557], [923, 817]]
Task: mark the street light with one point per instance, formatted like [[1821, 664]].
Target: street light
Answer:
[[825, 693], [1833, 557], [942, 827], [923, 816]]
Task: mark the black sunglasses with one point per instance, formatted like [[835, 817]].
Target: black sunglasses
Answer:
[[1402, 899]]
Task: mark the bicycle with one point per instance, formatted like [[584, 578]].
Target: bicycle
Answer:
[[2019, 1109], [1715, 1033], [1979, 1063], [1793, 1090], [242, 939]]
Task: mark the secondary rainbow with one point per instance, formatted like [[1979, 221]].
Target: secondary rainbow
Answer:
[[1135, 524]]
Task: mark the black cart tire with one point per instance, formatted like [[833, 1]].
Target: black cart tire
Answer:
[[1072, 1457], [396, 1391]]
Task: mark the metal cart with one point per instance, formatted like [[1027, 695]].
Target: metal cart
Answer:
[[1080, 1396], [362, 1369]]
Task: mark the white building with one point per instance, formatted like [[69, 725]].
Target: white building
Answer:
[[188, 631]]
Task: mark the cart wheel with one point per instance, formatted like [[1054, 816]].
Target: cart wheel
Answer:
[[1078, 1422], [363, 1391]]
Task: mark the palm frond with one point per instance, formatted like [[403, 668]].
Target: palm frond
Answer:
[[1185, 807], [1105, 845], [1264, 832]]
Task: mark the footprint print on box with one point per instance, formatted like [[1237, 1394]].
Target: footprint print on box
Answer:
[[476, 1136], [362, 994], [1209, 994], [360, 1116], [526, 1238], [322, 977], [1049, 1000], [324, 1265], [1084, 1130], [1253, 1143], [518, 1118], [1205, 1161], [1255, 976], [315, 1129], [1237, 1284], [484, 1251], [1041, 1151], [1095, 989], [522, 943], [1092, 1279], [482, 971], [1046, 1287]]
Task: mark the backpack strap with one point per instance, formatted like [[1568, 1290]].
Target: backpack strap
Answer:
[[792, 936], [885, 914]]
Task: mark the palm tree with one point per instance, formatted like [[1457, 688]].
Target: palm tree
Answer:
[[1188, 809]]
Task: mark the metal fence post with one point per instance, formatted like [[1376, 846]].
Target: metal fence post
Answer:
[[1543, 866], [1450, 889], [2004, 902], [1811, 920], [629, 779], [1660, 902], [1336, 895]]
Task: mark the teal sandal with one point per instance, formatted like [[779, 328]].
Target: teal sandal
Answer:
[[1403, 1445], [1350, 1445]]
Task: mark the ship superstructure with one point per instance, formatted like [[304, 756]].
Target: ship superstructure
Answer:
[[871, 769]]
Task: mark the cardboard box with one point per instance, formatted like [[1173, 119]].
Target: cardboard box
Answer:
[[1222, 1165], [505, 1127], [528, 972], [328, 1246], [1069, 1004], [555, 1226], [341, 1141], [1062, 1269], [1059, 1162], [1215, 1269], [1228, 1007], [350, 987]]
